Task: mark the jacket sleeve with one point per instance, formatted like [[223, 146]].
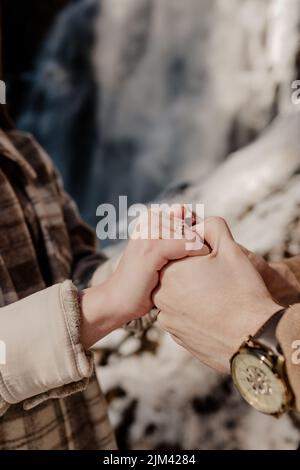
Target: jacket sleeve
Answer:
[[286, 280], [86, 257], [288, 330], [293, 264], [41, 354]]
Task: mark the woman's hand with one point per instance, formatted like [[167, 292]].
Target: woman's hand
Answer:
[[127, 293], [211, 304]]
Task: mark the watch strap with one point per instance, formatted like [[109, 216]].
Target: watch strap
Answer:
[[266, 335]]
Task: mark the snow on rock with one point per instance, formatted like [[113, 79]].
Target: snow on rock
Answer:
[[167, 399], [253, 172], [257, 189]]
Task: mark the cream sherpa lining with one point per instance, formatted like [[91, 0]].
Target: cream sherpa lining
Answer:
[[83, 360]]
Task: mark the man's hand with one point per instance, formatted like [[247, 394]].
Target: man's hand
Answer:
[[211, 304]]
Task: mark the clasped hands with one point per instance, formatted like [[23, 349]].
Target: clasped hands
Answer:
[[210, 300]]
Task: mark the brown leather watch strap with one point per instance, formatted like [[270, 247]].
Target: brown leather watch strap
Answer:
[[266, 335]]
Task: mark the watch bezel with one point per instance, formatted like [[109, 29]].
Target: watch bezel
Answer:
[[276, 364]]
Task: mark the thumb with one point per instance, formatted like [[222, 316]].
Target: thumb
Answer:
[[215, 231], [194, 244]]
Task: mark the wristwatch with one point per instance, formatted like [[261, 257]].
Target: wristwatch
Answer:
[[258, 371]]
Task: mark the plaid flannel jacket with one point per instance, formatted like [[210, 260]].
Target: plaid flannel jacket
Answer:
[[69, 420]]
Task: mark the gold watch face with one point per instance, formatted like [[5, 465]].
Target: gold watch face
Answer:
[[257, 383]]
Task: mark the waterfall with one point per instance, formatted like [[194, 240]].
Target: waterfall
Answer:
[[139, 96]]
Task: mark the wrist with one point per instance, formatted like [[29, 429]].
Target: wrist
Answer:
[[264, 313], [99, 314], [254, 320]]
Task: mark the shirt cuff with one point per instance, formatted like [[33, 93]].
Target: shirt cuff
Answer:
[[44, 356]]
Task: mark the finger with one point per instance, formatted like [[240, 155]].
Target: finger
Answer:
[[174, 249], [172, 227], [215, 231], [195, 244], [155, 224], [168, 227], [184, 213], [176, 210], [173, 240], [164, 224], [204, 251]]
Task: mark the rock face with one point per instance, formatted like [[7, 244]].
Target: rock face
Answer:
[[191, 101]]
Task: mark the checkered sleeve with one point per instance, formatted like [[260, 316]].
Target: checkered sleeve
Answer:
[[86, 257]]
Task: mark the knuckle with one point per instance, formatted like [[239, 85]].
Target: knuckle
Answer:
[[217, 221], [219, 225]]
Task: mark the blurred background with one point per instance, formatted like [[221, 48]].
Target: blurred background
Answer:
[[184, 100]]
